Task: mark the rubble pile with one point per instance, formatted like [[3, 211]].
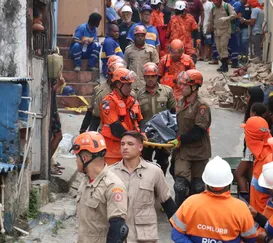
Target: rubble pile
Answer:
[[228, 91]]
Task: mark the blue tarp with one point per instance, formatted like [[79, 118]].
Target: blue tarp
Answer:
[[5, 168]]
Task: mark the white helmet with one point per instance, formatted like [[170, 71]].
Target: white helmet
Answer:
[[266, 178], [155, 2], [180, 5], [126, 8], [217, 173]]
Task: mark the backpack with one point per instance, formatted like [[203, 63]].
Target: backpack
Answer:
[[233, 22]]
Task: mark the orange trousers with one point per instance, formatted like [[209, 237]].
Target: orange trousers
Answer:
[[113, 154], [258, 199]]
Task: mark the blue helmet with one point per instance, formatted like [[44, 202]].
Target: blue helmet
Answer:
[[68, 90], [146, 7]]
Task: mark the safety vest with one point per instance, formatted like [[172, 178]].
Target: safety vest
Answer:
[[168, 79], [128, 111]]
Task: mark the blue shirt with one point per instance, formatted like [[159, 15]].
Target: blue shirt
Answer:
[[111, 15], [151, 36], [84, 31], [237, 6], [110, 47]]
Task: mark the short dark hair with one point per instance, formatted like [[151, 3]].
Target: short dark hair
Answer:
[[259, 109], [137, 135], [94, 19]]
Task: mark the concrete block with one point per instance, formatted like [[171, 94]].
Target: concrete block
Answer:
[[71, 101], [80, 77], [43, 186], [82, 88], [69, 64], [64, 51], [64, 41]]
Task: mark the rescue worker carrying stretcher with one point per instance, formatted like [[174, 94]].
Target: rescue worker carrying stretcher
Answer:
[[102, 196], [119, 112], [172, 64], [214, 215], [91, 120], [193, 141], [154, 98]]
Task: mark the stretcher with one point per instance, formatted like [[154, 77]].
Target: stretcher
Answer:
[[158, 145]]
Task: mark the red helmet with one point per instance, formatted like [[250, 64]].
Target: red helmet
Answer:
[[140, 29], [150, 69], [113, 59], [91, 141], [176, 44], [123, 75], [190, 77], [115, 65]]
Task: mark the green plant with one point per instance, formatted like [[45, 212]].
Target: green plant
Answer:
[[34, 204], [58, 225]]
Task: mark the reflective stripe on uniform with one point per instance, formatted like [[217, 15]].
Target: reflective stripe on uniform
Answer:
[[250, 232], [180, 225]]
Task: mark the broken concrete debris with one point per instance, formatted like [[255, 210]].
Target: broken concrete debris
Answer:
[[229, 91]]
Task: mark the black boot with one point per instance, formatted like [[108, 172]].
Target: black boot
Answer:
[[221, 67], [181, 189], [224, 67]]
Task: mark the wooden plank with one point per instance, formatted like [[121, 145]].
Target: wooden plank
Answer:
[[72, 13], [37, 107]]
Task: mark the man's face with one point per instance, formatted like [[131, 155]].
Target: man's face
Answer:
[[217, 3], [130, 147], [186, 90], [176, 55], [146, 17], [125, 88], [151, 81], [114, 32], [140, 39], [126, 16], [244, 2], [108, 3]]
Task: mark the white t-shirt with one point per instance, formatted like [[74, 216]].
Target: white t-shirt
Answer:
[[207, 9]]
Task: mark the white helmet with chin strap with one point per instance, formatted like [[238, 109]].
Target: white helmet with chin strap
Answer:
[[217, 173]]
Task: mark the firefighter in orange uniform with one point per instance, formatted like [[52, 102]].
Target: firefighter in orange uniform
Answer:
[[214, 215], [157, 18], [256, 135], [172, 64], [175, 29], [191, 28], [119, 112]]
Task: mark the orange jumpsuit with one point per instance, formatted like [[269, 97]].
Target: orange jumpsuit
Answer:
[[175, 29], [169, 71], [190, 25], [127, 111], [157, 18], [263, 154]]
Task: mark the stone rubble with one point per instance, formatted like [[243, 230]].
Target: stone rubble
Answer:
[[228, 91]]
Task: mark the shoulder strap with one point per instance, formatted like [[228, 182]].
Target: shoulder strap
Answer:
[[226, 8]]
